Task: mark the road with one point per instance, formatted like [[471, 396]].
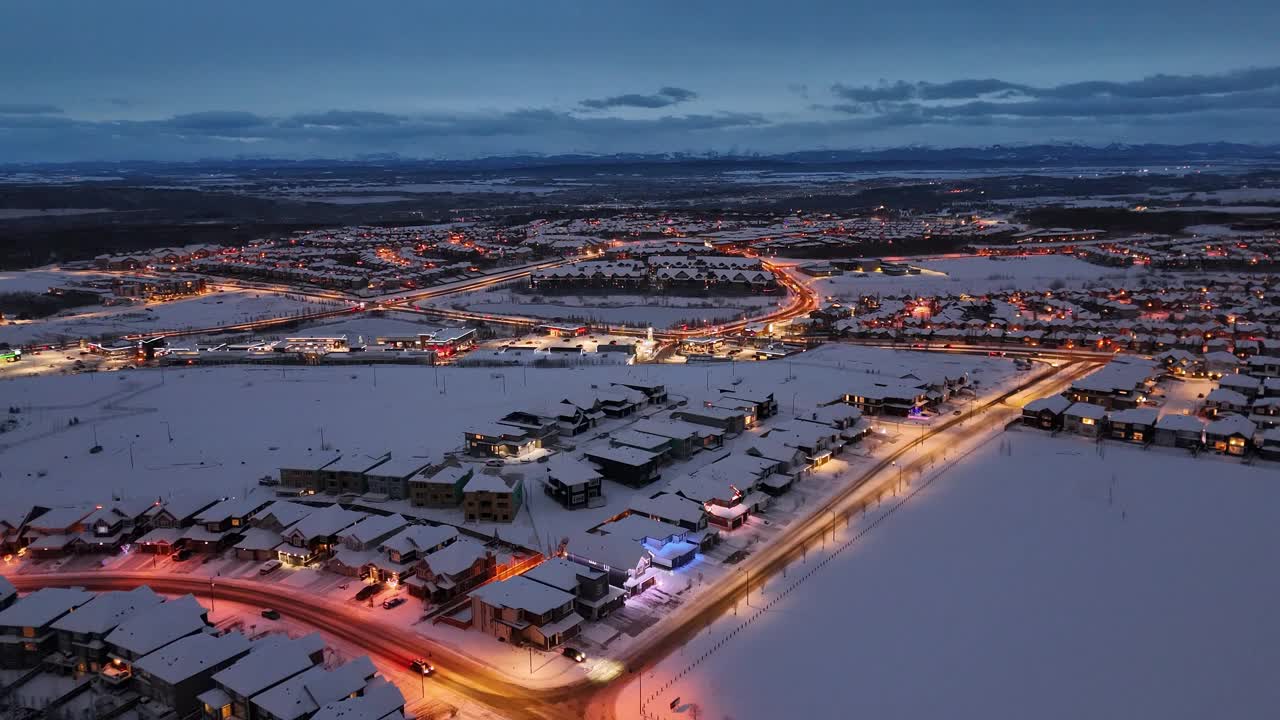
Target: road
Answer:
[[584, 697]]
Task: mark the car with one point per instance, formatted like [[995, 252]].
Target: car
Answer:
[[958, 412], [422, 667], [182, 555], [391, 603], [271, 614], [574, 654], [269, 567]]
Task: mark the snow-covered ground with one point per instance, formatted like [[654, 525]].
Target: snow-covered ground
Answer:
[[228, 306], [974, 275], [659, 311], [1038, 577]]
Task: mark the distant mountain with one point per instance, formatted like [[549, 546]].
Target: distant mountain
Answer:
[[899, 158]]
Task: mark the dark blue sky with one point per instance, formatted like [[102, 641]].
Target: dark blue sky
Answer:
[[183, 80]]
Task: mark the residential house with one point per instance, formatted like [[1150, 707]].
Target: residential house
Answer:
[[303, 473], [1250, 387], [492, 497], [176, 675], [1121, 383], [499, 440], [656, 444], [542, 427], [303, 695], [258, 544], [439, 487], [572, 483], [81, 635], [346, 475], [1185, 431], [444, 574], [1084, 419], [626, 562], [765, 405], [380, 700], [686, 437], [270, 662], [1223, 401], [279, 515], [26, 626], [594, 597], [722, 500], [144, 633], [671, 508], [1230, 434], [314, 537], [627, 465], [670, 546], [357, 554], [1045, 413], [655, 392], [873, 397], [406, 547], [1134, 424], [1269, 445], [180, 511], [57, 531], [522, 611], [390, 478], [730, 421]]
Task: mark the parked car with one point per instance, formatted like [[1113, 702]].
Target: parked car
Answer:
[[369, 591], [574, 654], [391, 603], [269, 567], [182, 555], [422, 667], [271, 614]]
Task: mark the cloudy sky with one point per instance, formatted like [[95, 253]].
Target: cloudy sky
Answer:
[[143, 79]]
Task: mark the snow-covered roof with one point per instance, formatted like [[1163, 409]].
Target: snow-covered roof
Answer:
[[399, 466], [192, 655], [624, 455], [306, 692], [639, 527], [455, 557], [7, 590], [418, 537], [1055, 404], [259, 539], [447, 475], [381, 701], [1086, 410], [521, 593], [328, 520], [43, 607], [1226, 396], [159, 626], [561, 574], [373, 527], [60, 518], [636, 439], [485, 482], [670, 507], [1231, 425], [284, 512], [1180, 423], [613, 551], [570, 471], [271, 660], [107, 610], [1135, 416]]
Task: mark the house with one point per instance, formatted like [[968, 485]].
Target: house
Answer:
[[621, 402], [1134, 424], [873, 397], [1220, 362], [441, 487], [522, 611], [279, 515], [572, 483], [1222, 401], [594, 597], [1230, 434], [626, 562], [1263, 366], [671, 508], [1121, 383], [81, 634], [751, 472], [314, 537], [303, 474], [180, 511], [499, 440], [1269, 447], [721, 500], [686, 437], [491, 497], [232, 514], [1250, 387], [303, 694], [1084, 419], [26, 626], [670, 546], [444, 574], [143, 634], [730, 421], [817, 442], [390, 478], [347, 474], [380, 700], [1045, 413], [161, 541], [1185, 431], [177, 674], [627, 465], [656, 444], [787, 457], [655, 392], [357, 554], [270, 662], [258, 544], [765, 406], [543, 428]]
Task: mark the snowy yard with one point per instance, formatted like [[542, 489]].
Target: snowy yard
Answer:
[[1036, 578]]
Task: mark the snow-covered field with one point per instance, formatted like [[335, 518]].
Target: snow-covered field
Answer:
[[1037, 578], [974, 275], [659, 310], [229, 306]]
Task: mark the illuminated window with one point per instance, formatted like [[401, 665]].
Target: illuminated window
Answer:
[[1086, 421]]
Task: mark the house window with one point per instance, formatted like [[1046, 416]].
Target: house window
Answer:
[[1086, 421], [1137, 435], [28, 632]]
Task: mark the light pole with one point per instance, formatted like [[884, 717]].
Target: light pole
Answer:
[[168, 430]]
